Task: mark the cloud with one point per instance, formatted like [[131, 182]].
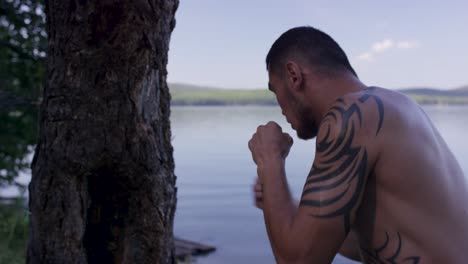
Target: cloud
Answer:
[[408, 44], [366, 56], [385, 45]]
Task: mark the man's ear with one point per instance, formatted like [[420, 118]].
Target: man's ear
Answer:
[[294, 75]]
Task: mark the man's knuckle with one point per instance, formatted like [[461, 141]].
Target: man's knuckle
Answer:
[[252, 139]]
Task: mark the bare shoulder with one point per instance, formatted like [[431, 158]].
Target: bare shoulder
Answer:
[[360, 115], [344, 157]]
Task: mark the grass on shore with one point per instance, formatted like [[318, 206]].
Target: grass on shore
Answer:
[[222, 97], [13, 233]]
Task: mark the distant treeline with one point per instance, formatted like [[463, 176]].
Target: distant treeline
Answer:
[[184, 94]]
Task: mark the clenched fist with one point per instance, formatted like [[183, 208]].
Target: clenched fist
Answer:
[[269, 144]]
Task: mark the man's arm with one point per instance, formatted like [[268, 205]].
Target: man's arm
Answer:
[[277, 199], [350, 247], [332, 192]]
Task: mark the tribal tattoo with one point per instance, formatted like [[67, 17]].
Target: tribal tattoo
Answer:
[[337, 179], [392, 252]]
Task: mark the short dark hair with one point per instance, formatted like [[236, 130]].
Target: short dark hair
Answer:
[[314, 46]]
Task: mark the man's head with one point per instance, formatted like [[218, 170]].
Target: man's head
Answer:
[[299, 63]]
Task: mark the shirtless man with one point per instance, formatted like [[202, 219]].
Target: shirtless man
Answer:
[[383, 187]]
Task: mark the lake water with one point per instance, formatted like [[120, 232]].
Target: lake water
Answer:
[[215, 175]]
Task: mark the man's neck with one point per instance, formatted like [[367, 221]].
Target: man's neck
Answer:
[[332, 89]]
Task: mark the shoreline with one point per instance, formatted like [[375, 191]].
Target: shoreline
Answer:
[[270, 104]]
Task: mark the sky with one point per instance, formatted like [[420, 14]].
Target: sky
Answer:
[[393, 44]]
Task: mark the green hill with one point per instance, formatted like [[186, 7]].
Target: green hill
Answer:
[[178, 87], [186, 94], [436, 96], [463, 89]]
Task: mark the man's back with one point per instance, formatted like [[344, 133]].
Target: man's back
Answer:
[[414, 208]]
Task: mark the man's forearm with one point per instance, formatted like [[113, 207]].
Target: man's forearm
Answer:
[[278, 206]]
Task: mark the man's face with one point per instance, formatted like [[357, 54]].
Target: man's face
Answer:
[[292, 107]]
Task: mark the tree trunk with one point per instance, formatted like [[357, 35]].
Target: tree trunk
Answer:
[[103, 184]]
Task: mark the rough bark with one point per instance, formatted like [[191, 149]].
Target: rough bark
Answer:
[[103, 184]]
